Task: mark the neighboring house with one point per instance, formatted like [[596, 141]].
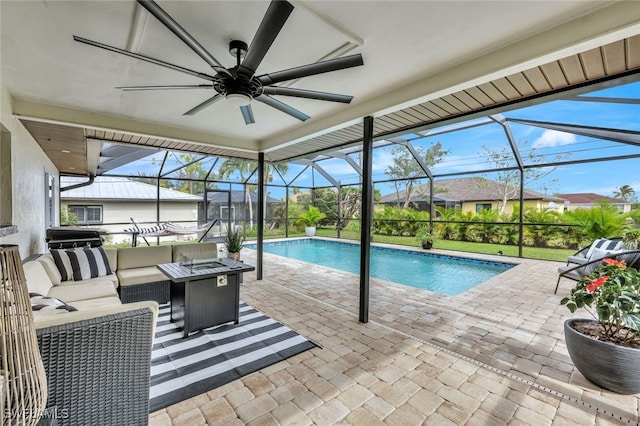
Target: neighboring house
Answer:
[[588, 200], [110, 203], [472, 195], [239, 211]]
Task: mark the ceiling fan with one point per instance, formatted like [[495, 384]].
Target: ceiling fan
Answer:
[[239, 85]]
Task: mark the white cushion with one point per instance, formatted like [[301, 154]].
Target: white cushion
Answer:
[[140, 257], [81, 263], [81, 315], [580, 260], [91, 304], [601, 254], [73, 293], [136, 276], [38, 280]]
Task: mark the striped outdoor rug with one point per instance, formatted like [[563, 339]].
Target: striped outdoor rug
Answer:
[[185, 367]]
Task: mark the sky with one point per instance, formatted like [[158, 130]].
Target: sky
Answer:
[[468, 149]]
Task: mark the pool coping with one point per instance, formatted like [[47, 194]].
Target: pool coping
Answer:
[[516, 269]]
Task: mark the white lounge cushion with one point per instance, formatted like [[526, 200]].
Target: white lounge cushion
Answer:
[[94, 290], [80, 315], [140, 257], [580, 260], [136, 276], [601, 254], [38, 280], [91, 304]]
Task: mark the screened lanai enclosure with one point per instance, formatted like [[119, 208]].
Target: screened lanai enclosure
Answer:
[[504, 181]]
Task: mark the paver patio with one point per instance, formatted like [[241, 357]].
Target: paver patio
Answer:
[[494, 354]]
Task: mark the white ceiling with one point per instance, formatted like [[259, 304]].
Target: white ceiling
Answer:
[[404, 44]]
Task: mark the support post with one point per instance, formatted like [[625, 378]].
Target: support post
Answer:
[[261, 214], [521, 215], [366, 218]]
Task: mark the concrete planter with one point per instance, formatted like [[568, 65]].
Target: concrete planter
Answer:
[[612, 367], [310, 231]]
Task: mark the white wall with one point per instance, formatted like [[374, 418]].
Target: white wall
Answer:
[[28, 166], [181, 213]]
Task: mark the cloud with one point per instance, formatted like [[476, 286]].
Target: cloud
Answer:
[[551, 138]]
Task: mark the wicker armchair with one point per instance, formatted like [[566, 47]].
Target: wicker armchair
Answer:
[[98, 368]]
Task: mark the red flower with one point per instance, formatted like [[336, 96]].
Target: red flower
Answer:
[[612, 262], [598, 282]]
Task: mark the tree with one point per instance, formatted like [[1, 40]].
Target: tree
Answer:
[[67, 217], [191, 176], [625, 192], [245, 168], [510, 179], [405, 169]]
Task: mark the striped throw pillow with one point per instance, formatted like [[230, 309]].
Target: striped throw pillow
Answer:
[[81, 263], [604, 244], [43, 305]]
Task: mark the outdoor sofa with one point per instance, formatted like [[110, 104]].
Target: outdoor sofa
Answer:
[[96, 348]]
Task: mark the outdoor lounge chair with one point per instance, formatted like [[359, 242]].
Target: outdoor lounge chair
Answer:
[[168, 229], [595, 250], [576, 271]]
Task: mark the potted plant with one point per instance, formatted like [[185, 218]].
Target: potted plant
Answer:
[[310, 219], [234, 241], [606, 349], [425, 237]]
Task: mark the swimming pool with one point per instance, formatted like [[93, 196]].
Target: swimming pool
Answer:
[[445, 274]]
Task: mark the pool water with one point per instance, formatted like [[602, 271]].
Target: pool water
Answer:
[[449, 275]]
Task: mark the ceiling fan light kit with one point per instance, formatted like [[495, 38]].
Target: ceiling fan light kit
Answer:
[[238, 99], [239, 85]]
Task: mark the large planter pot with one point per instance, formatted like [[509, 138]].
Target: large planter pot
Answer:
[[427, 245], [612, 367], [310, 231]]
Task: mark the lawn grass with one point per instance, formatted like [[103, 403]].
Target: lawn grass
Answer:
[[464, 246]]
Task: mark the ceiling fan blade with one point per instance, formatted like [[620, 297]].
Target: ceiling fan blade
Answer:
[[308, 94], [144, 58], [171, 87], [162, 16], [247, 114], [272, 22], [312, 69], [204, 104], [287, 109]]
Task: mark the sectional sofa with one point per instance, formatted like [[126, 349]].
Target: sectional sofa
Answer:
[[96, 339]]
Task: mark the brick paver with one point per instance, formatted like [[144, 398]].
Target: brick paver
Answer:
[[423, 358]]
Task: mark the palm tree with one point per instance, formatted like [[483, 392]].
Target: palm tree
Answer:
[[625, 192], [246, 168]]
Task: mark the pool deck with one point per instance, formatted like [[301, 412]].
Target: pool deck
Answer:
[[492, 355]]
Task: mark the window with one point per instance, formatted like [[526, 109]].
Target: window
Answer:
[[482, 206], [87, 214]]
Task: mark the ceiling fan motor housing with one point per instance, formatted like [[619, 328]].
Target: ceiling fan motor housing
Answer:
[[240, 85]]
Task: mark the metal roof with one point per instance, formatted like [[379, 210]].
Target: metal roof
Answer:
[[120, 189]]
